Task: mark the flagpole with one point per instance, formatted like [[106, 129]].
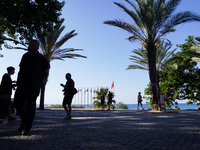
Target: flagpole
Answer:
[[78, 96], [84, 97], [87, 97], [81, 94], [91, 96], [113, 87]]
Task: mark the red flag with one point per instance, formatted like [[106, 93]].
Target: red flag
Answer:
[[112, 85]]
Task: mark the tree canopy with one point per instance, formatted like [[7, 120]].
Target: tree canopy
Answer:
[[25, 17], [181, 83]]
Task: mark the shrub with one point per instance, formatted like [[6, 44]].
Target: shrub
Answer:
[[121, 105], [55, 106], [80, 106], [60, 106]]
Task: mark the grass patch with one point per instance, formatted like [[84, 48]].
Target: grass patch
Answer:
[[60, 106]]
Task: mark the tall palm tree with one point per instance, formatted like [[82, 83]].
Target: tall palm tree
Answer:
[[152, 20], [163, 54], [50, 47]]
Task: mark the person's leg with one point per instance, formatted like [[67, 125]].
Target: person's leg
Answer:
[[70, 109], [7, 108], [69, 102], [66, 109], [64, 104], [102, 104], [113, 106], [19, 101], [108, 105], [30, 111], [138, 105], [10, 111], [141, 105], [29, 107], [10, 118]]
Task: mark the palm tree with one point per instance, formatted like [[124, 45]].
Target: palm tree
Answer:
[[163, 53], [50, 47], [97, 99], [152, 20]]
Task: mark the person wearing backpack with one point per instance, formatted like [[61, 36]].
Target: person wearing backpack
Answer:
[[69, 92], [139, 98]]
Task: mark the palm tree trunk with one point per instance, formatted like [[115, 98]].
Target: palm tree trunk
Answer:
[[151, 52], [42, 94], [158, 89]]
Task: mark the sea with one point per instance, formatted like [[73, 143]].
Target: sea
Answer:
[[134, 106]]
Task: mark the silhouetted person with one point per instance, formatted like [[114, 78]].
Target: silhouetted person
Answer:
[[34, 67], [110, 97], [102, 100], [68, 95], [139, 98], [6, 92]]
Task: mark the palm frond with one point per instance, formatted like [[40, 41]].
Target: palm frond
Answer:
[[123, 25], [137, 67], [170, 7], [65, 38], [132, 14], [50, 45], [183, 17], [70, 55]]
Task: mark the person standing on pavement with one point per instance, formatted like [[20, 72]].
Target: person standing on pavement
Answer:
[[34, 67], [68, 95], [102, 100], [139, 98], [6, 92], [110, 97]]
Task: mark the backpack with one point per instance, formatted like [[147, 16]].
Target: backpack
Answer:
[[74, 91]]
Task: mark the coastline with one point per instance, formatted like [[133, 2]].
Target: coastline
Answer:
[[181, 106]]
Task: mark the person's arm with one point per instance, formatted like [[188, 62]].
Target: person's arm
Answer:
[[62, 85], [65, 86]]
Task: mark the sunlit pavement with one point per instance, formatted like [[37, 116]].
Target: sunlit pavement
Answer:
[[97, 129]]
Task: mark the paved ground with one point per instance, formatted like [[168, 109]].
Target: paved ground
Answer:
[[96, 129]]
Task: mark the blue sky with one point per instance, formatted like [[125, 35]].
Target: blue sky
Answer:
[[106, 48]]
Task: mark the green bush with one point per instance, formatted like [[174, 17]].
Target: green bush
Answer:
[[80, 106], [96, 104], [54, 106], [121, 105]]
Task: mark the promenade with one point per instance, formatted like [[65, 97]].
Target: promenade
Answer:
[[106, 130]]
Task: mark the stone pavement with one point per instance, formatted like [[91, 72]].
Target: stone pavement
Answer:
[[96, 129]]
